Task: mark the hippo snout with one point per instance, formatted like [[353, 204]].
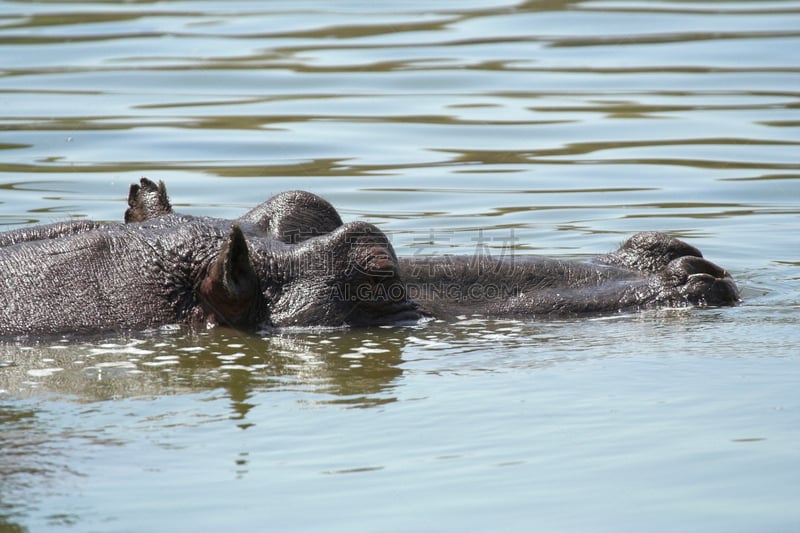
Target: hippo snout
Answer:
[[701, 282]]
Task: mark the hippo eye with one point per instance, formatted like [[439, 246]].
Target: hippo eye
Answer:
[[378, 262]]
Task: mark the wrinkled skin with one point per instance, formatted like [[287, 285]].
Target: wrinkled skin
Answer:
[[291, 261]]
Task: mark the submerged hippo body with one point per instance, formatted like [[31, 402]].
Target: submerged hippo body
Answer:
[[292, 262]]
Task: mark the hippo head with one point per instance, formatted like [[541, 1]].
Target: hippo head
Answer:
[[346, 277], [288, 262]]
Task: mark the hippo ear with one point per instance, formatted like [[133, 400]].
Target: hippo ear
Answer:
[[147, 201], [229, 288]]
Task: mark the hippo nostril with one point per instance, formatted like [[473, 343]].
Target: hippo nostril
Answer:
[[696, 265], [701, 278]]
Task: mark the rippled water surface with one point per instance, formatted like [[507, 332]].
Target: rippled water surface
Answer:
[[547, 127]]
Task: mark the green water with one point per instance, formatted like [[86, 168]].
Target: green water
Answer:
[[549, 127]]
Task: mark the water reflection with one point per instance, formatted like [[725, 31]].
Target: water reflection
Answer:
[[351, 367], [63, 403], [344, 368], [323, 367], [358, 369]]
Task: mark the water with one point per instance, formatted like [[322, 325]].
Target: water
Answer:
[[556, 128]]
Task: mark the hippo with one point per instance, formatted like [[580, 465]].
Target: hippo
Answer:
[[292, 262]]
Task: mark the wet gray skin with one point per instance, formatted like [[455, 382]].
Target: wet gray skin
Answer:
[[291, 261]]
